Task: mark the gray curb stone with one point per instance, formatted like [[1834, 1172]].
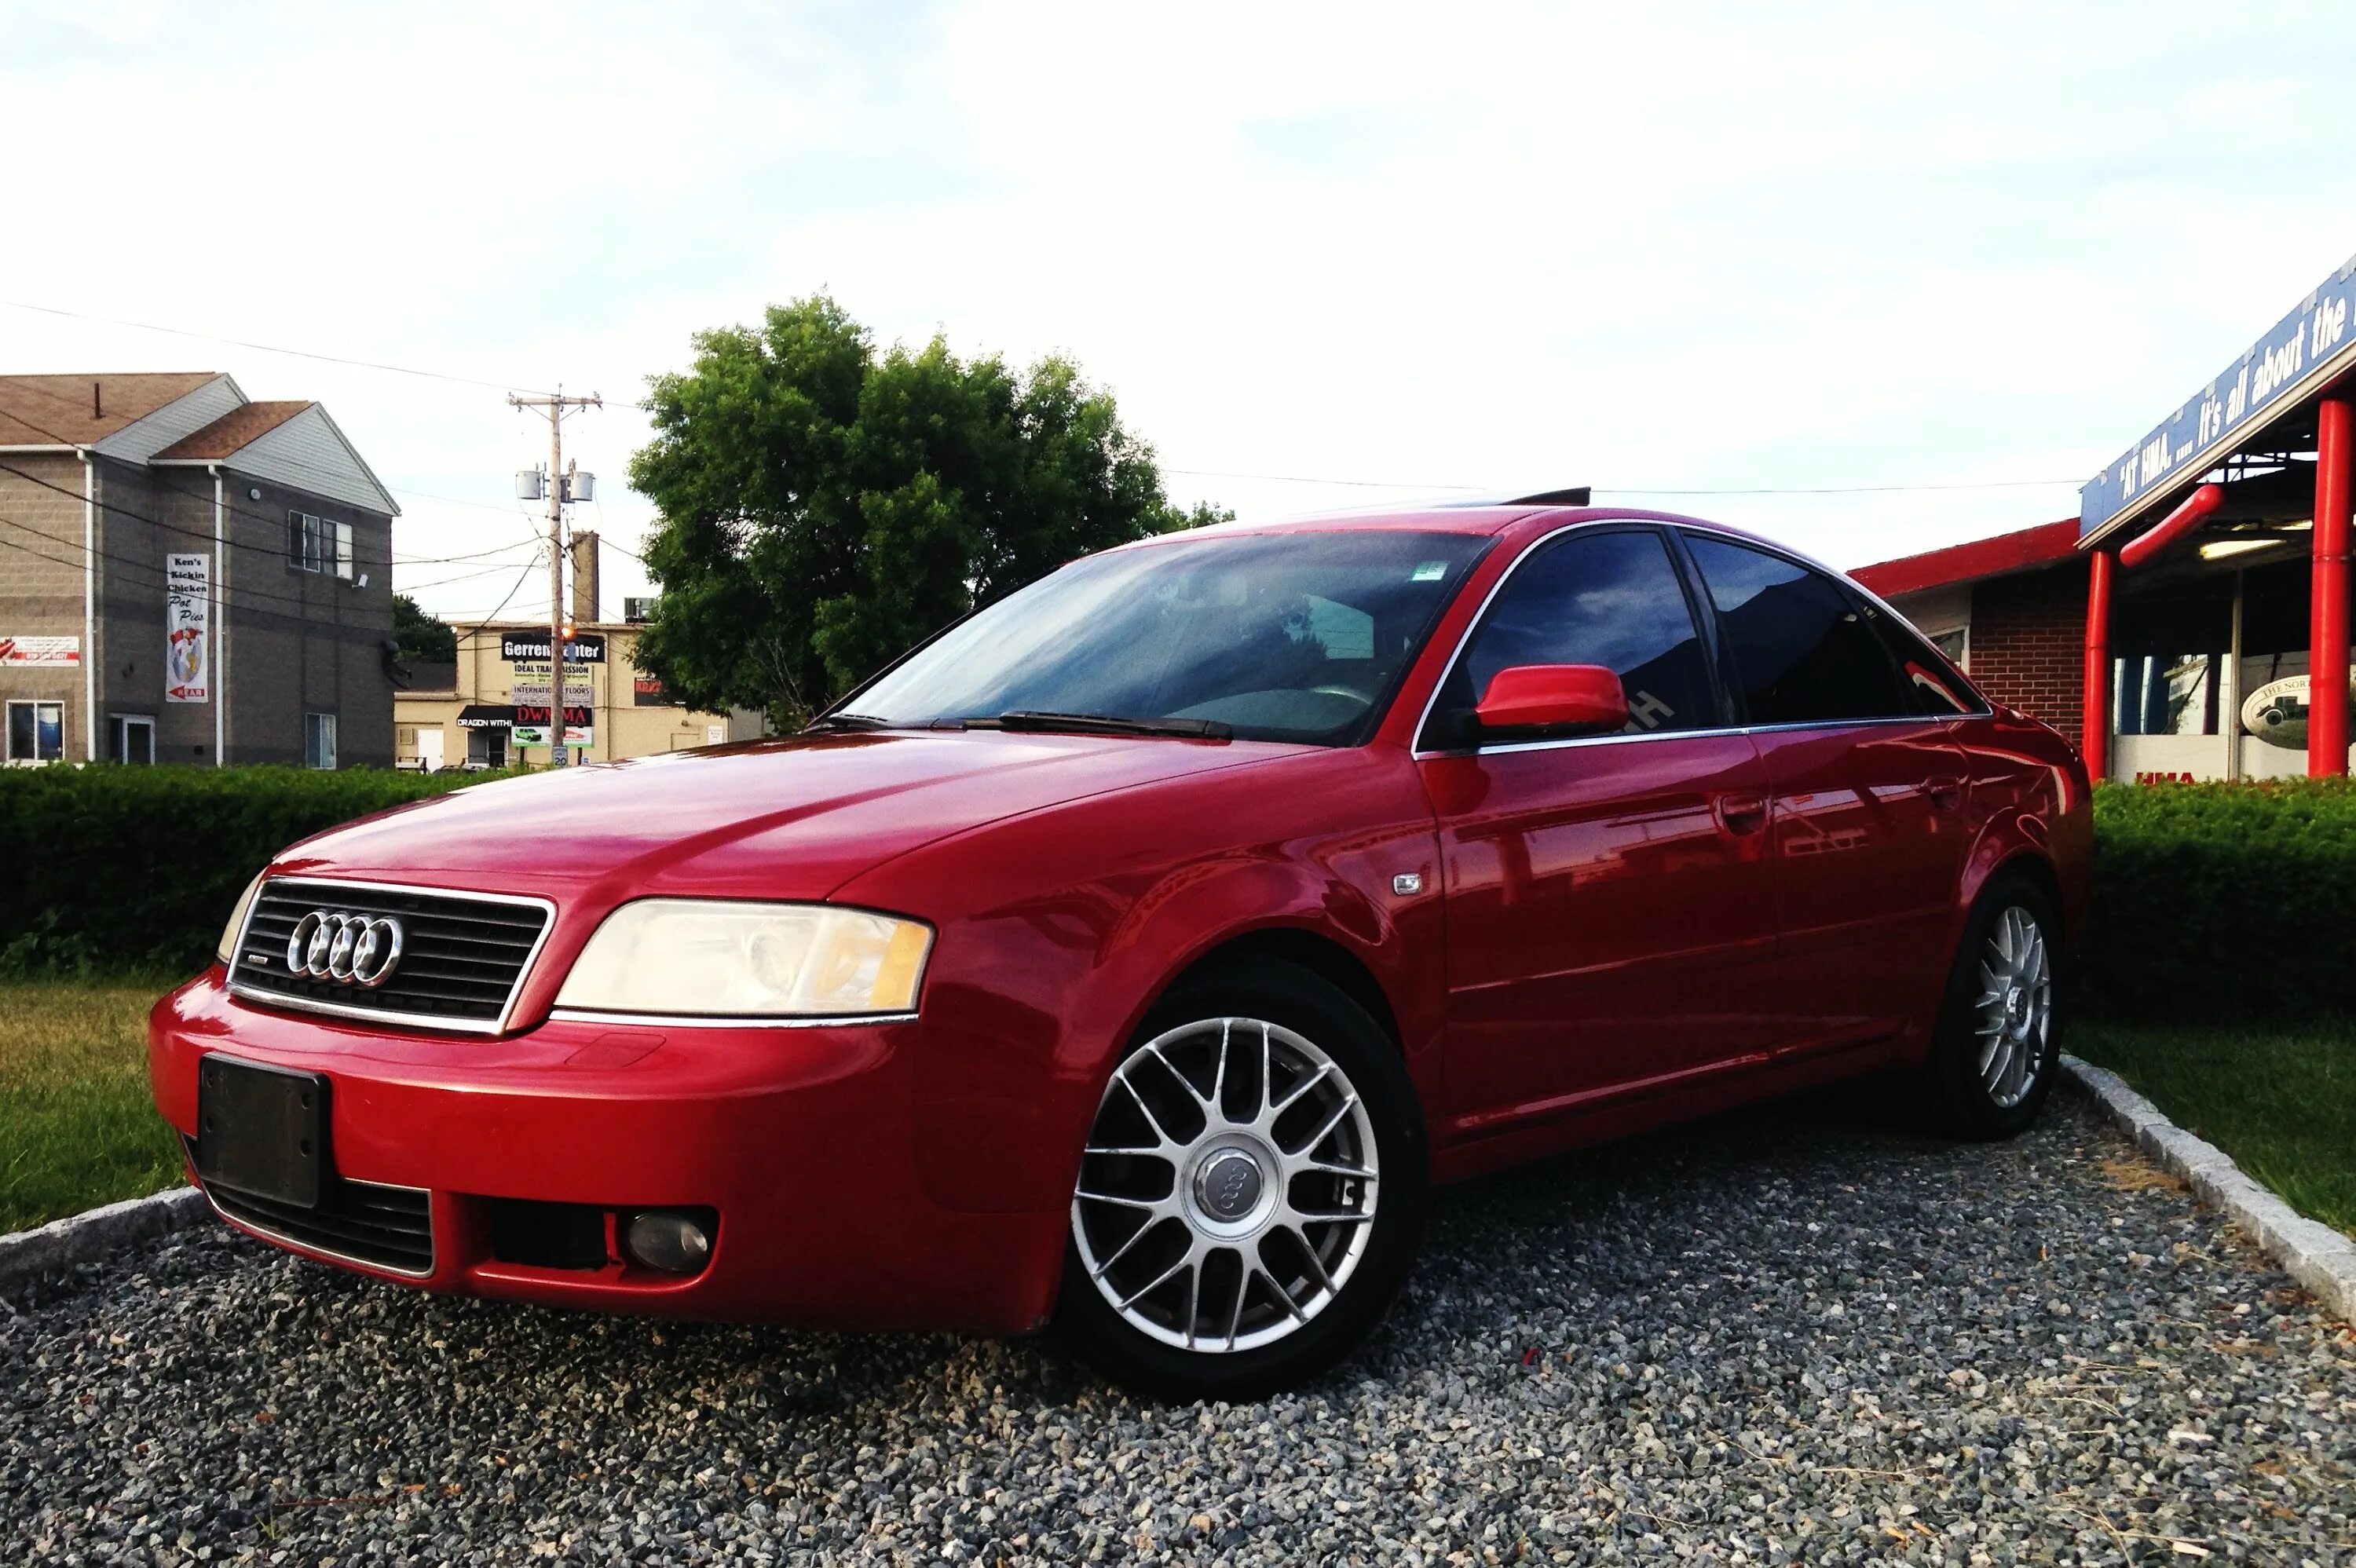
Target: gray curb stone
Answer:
[[2311, 1252], [89, 1236]]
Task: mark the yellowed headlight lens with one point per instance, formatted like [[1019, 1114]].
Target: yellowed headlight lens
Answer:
[[226, 949], [721, 958]]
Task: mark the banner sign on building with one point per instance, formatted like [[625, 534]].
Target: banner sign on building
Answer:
[[187, 628], [42, 651], [536, 690], [647, 692], [522, 647], [531, 724], [2307, 347]]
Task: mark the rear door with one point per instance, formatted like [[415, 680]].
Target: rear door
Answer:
[[1867, 787], [1611, 915]]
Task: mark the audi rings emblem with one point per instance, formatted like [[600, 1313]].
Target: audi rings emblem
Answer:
[[356, 949]]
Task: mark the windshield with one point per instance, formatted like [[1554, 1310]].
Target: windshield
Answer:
[[1296, 636]]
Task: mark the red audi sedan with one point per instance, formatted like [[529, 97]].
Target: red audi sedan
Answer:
[[1138, 952]]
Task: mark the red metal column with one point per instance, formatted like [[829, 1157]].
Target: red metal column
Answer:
[[2094, 727], [2327, 659]]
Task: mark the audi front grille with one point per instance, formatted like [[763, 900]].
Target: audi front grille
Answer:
[[461, 958]]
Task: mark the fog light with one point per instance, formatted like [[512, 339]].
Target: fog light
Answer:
[[668, 1241]]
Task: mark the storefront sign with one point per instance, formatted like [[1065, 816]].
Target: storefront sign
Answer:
[[576, 690], [521, 647], [47, 652], [485, 716], [2307, 347], [187, 628], [2276, 712], [647, 692]]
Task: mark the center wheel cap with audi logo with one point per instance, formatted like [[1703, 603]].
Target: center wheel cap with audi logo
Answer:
[[354, 949]]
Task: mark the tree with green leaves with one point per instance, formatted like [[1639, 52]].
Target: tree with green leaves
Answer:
[[422, 636], [823, 506]]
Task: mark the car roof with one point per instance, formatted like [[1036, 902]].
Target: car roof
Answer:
[[1475, 518]]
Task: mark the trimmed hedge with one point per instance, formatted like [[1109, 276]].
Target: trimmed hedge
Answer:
[[2216, 899], [2209, 899], [105, 868]]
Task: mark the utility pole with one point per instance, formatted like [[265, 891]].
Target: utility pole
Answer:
[[557, 407]]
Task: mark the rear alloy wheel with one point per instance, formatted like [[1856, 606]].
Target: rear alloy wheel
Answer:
[[1234, 1223], [1999, 1042]]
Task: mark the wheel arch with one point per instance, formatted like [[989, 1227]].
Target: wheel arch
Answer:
[[1304, 949]]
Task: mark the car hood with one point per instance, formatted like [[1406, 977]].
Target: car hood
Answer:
[[793, 817]]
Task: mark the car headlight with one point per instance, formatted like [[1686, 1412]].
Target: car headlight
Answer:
[[226, 949], [717, 958]]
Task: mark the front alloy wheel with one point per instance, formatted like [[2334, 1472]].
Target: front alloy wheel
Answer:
[[1228, 1188], [1250, 1191]]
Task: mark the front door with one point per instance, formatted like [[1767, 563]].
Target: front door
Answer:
[[1868, 782], [1611, 910]]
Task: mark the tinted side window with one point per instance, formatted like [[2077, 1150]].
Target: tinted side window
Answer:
[[1929, 680], [1803, 652], [1610, 599]]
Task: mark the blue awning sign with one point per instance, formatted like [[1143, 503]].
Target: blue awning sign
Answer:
[[2307, 348]]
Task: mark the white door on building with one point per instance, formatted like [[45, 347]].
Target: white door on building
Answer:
[[429, 748]]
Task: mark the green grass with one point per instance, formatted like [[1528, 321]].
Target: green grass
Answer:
[[77, 1127], [2281, 1101]]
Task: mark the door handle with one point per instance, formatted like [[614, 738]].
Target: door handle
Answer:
[[1945, 793], [1743, 815]]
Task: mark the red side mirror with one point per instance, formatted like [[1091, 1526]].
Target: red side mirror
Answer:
[[1554, 697]]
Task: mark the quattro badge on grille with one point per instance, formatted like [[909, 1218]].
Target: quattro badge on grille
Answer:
[[354, 949]]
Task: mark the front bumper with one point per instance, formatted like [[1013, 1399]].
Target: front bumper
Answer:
[[800, 1139]]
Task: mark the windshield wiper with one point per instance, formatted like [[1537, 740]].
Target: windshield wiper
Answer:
[[1026, 719], [845, 722]]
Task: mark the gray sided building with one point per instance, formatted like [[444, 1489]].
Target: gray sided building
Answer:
[[190, 576]]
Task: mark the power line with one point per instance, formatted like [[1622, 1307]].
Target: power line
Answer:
[[1304, 479], [1639, 490], [463, 577], [1849, 489], [455, 559], [266, 519], [230, 596], [267, 348]]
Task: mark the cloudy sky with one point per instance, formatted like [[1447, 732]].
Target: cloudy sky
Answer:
[[1941, 261]]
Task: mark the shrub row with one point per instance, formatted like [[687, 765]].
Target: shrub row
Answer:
[[2220, 898], [2209, 899], [111, 867]]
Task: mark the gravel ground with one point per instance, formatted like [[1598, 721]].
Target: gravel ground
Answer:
[[1789, 1336]]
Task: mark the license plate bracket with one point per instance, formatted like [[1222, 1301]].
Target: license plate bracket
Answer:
[[262, 1130]]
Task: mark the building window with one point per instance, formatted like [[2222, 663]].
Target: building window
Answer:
[[37, 734], [1956, 644], [134, 740], [486, 748], [319, 740], [318, 544]]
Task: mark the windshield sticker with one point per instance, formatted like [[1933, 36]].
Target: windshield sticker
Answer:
[[1429, 572]]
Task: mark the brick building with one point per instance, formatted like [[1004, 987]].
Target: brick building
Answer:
[[2198, 650], [2011, 609], [190, 576]]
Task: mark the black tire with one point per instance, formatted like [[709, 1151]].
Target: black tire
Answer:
[[1961, 1098], [1317, 1011]]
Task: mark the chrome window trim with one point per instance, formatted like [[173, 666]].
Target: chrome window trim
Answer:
[[435, 1021], [1447, 668], [306, 1248], [723, 1020]]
